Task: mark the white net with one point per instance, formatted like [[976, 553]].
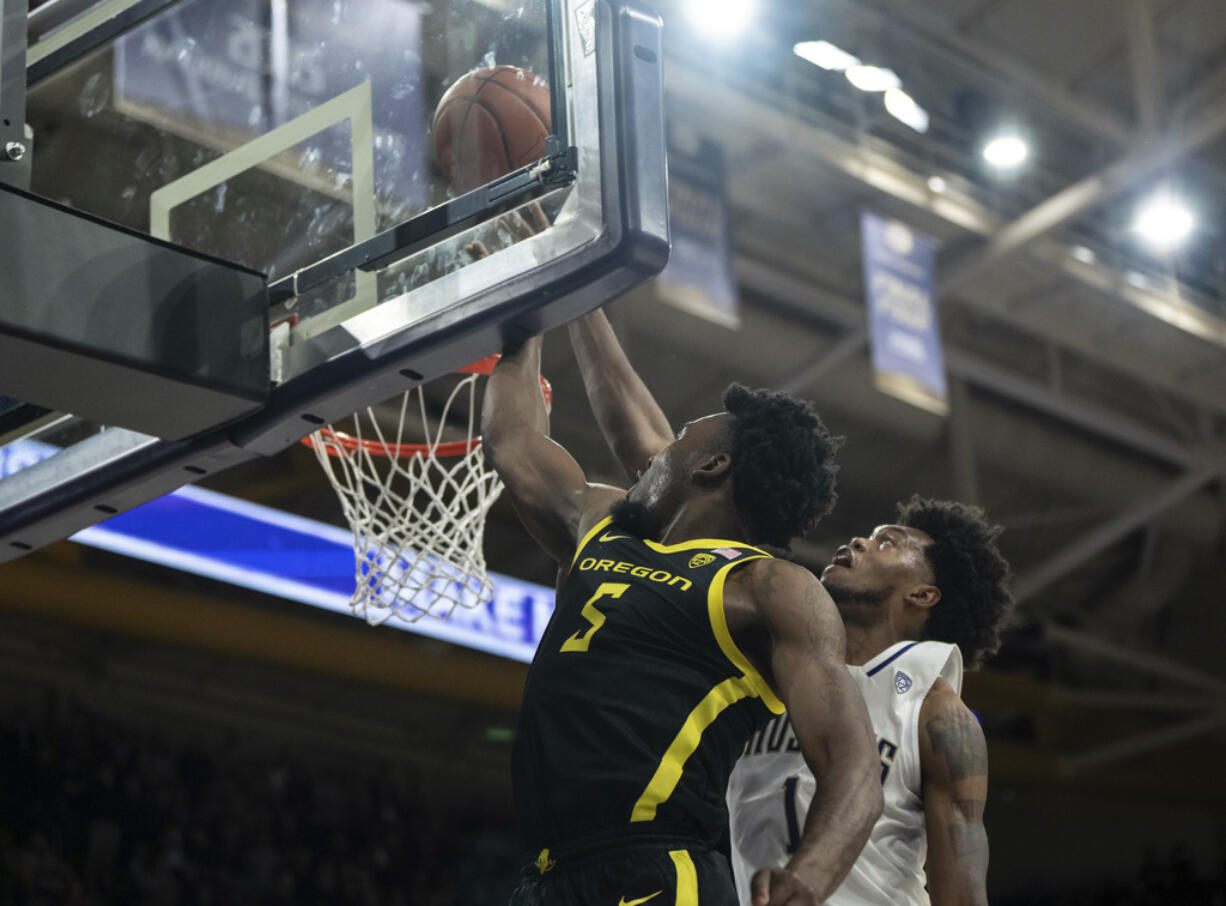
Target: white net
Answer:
[[417, 511]]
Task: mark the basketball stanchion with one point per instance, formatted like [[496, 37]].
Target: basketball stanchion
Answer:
[[417, 509]]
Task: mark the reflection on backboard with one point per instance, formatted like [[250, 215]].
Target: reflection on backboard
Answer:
[[271, 133], [294, 139]]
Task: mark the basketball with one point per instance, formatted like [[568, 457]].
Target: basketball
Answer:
[[490, 122]]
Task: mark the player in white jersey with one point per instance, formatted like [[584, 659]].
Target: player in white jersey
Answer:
[[936, 574], [937, 579]]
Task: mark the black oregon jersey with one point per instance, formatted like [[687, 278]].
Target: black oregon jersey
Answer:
[[638, 701]]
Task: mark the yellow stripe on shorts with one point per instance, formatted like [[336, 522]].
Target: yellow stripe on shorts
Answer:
[[687, 878]]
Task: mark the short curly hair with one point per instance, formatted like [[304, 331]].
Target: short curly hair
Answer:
[[783, 470], [969, 570]]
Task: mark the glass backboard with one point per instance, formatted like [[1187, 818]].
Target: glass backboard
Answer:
[[349, 150]]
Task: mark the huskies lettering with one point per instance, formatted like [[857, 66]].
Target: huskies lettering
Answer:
[[774, 736]]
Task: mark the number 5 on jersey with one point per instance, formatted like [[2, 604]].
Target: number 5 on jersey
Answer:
[[580, 640]]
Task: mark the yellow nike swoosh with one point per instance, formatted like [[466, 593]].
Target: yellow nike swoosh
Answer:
[[618, 538], [624, 902]]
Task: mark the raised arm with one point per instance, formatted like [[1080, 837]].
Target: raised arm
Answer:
[[546, 485], [807, 668], [631, 420], [954, 763]]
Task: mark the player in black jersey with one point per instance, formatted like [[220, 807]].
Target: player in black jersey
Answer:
[[674, 636]]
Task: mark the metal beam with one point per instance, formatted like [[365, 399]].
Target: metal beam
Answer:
[[848, 346], [1079, 197], [1146, 742], [932, 34], [1143, 59], [1142, 661], [1096, 541], [1207, 89], [980, 373], [821, 141], [1174, 308], [1133, 701], [962, 442], [1101, 421]]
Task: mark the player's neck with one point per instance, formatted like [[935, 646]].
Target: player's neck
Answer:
[[704, 517], [865, 642]]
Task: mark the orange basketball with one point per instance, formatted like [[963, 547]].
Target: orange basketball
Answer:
[[490, 122]]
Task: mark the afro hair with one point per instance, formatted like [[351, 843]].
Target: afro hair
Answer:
[[783, 471], [969, 570]]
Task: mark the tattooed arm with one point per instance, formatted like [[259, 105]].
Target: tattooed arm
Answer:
[[802, 651], [954, 761]]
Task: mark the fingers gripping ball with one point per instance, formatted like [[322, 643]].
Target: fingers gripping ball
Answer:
[[490, 122]]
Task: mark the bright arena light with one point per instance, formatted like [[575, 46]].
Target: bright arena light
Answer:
[[873, 78], [903, 108], [1164, 221], [825, 55], [721, 19], [1007, 151]]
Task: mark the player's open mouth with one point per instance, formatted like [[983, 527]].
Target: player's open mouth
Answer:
[[842, 557]]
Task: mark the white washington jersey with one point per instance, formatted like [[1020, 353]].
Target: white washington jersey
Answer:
[[771, 787]]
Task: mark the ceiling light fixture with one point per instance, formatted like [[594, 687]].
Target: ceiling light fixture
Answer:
[[721, 19], [825, 55], [1006, 151], [903, 108], [873, 78], [1164, 221]]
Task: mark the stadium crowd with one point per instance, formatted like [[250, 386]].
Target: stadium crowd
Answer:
[[94, 812]]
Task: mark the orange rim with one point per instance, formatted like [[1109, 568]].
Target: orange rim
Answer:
[[339, 443]]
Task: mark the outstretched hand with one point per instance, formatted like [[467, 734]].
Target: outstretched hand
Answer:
[[781, 887], [520, 226]]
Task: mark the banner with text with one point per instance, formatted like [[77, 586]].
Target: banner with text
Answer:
[[905, 335], [698, 277]]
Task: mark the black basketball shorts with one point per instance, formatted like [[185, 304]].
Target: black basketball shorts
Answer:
[[636, 876]]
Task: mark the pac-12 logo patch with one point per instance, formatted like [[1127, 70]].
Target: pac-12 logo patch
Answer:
[[701, 560], [902, 682]]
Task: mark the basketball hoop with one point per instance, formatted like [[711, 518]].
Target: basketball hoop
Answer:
[[417, 509]]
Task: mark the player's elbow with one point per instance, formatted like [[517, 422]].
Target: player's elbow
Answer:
[[498, 428], [496, 440], [497, 445]]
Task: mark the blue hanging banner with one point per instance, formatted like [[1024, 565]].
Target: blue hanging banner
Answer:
[[908, 362], [698, 277]]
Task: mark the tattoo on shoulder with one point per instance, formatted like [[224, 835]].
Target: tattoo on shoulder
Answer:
[[958, 738], [768, 575]]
